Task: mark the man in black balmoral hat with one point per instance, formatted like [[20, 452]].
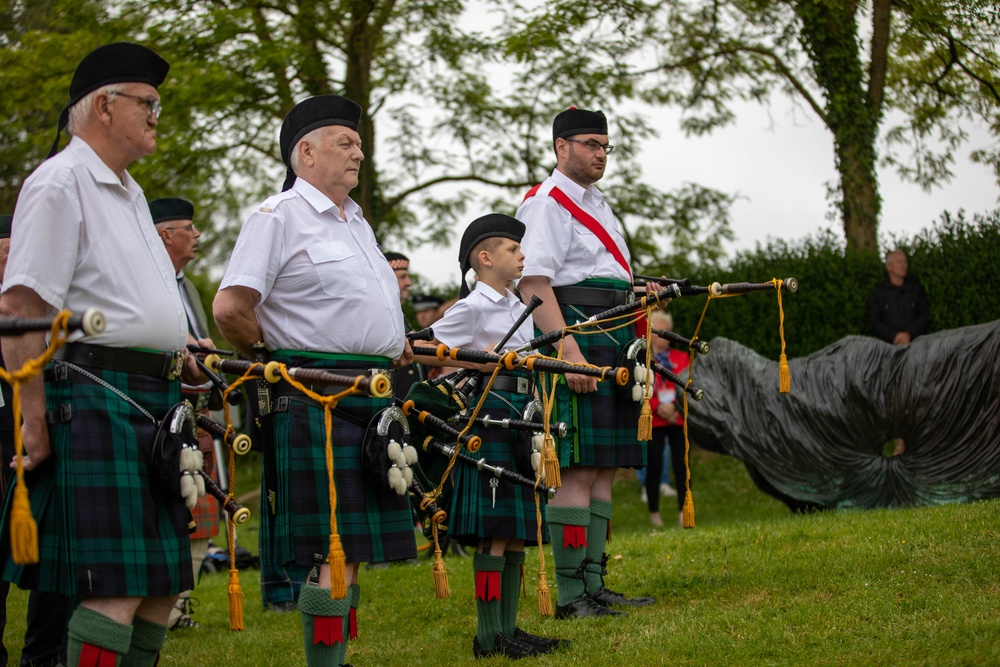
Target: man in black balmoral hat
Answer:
[[85, 239], [308, 282], [577, 262]]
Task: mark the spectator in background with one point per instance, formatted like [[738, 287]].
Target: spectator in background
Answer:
[[898, 310], [427, 309], [668, 423]]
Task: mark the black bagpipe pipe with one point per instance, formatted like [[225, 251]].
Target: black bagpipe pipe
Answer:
[[423, 334], [234, 397], [432, 445], [788, 284], [699, 346], [670, 376], [620, 374], [557, 428], [410, 409], [239, 442], [672, 291], [91, 322], [434, 513], [237, 513], [378, 385]]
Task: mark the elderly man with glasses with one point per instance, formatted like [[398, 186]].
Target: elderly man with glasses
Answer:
[[108, 534]]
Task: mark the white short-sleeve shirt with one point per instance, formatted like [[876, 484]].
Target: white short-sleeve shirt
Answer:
[[562, 249], [82, 238], [483, 318], [324, 284]]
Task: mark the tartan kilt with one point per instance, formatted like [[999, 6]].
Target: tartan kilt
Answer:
[[472, 515], [373, 526], [206, 511], [104, 530], [603, 426]]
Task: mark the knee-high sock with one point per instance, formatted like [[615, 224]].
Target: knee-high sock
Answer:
[[568, 535], [510, 590], [147, 640], [488, 571], [324, 626], [354, 599], [600, 517], [94, 640]]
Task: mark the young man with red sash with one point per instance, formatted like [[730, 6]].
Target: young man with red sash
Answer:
[[578, 264]]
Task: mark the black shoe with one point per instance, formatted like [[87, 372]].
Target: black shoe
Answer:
[[505, 646], [584, 606], [544, 644], [609, 598]]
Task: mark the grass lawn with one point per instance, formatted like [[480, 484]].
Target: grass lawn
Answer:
[[751, 585]]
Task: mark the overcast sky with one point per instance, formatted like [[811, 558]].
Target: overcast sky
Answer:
[[779, 161]]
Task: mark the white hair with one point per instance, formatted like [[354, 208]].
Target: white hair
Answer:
[[79, 113], [294, 162], [664, 316]]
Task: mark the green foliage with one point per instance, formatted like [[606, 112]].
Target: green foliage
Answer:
[[955, 261]]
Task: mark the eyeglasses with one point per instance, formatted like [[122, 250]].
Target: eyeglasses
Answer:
[[593, 146], [153, 105], [189, 227]]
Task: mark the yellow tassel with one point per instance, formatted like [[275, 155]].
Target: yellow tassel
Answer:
[[544, 596], [338, 561], [689, 510], [784, 375], [23, 529], [235, 600], [552, 475], [441, 588], [645, 421]]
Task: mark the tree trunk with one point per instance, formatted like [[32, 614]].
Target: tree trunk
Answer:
[[853, 109], [358, 87]]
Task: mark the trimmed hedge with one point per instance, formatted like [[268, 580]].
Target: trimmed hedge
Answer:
[[956, 261]]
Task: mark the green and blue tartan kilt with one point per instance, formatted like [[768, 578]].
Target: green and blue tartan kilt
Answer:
[[104, 530], [373, 526], [472, 514], [603, 426]]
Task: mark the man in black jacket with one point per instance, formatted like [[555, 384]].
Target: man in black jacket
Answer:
[[898, 310]]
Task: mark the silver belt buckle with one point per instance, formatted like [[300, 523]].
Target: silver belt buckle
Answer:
[[629, 296], [177, 365], [522, 385]]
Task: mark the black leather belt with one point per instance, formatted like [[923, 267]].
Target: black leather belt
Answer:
[[165, 365], [593, 296], [515, 384]]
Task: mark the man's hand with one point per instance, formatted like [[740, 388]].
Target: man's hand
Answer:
[[406, 358], [666, 412], [902, 339], [37, 448], [580, 384]]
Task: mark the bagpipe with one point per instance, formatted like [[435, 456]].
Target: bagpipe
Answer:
[[91, 322]]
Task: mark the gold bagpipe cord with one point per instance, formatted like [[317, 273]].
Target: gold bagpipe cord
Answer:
[[784, 386], [23, 529]]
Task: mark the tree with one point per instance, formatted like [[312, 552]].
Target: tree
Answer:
[[931, 62]]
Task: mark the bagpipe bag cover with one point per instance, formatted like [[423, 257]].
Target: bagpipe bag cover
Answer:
[[821, 446]]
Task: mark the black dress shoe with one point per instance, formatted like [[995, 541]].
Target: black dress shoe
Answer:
[[506, 646], [584, 606], [609, 598], [545, 644]]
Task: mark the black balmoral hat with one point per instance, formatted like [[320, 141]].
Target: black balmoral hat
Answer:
[[423, 302], [397, 260], [488, 226], [5, 221], [167, 209], [575, 121], [312, 114], [120, 62]]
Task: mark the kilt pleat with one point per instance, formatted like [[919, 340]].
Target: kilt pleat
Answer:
[[104, 529], [472, 513], [603, 426], [374, 526]]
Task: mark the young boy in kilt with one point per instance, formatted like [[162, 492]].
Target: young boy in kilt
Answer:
[[495, 516]]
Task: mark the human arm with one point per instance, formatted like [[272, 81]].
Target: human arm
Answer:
[[548, 317], [875, 313], [233, 309], [21, 301]]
